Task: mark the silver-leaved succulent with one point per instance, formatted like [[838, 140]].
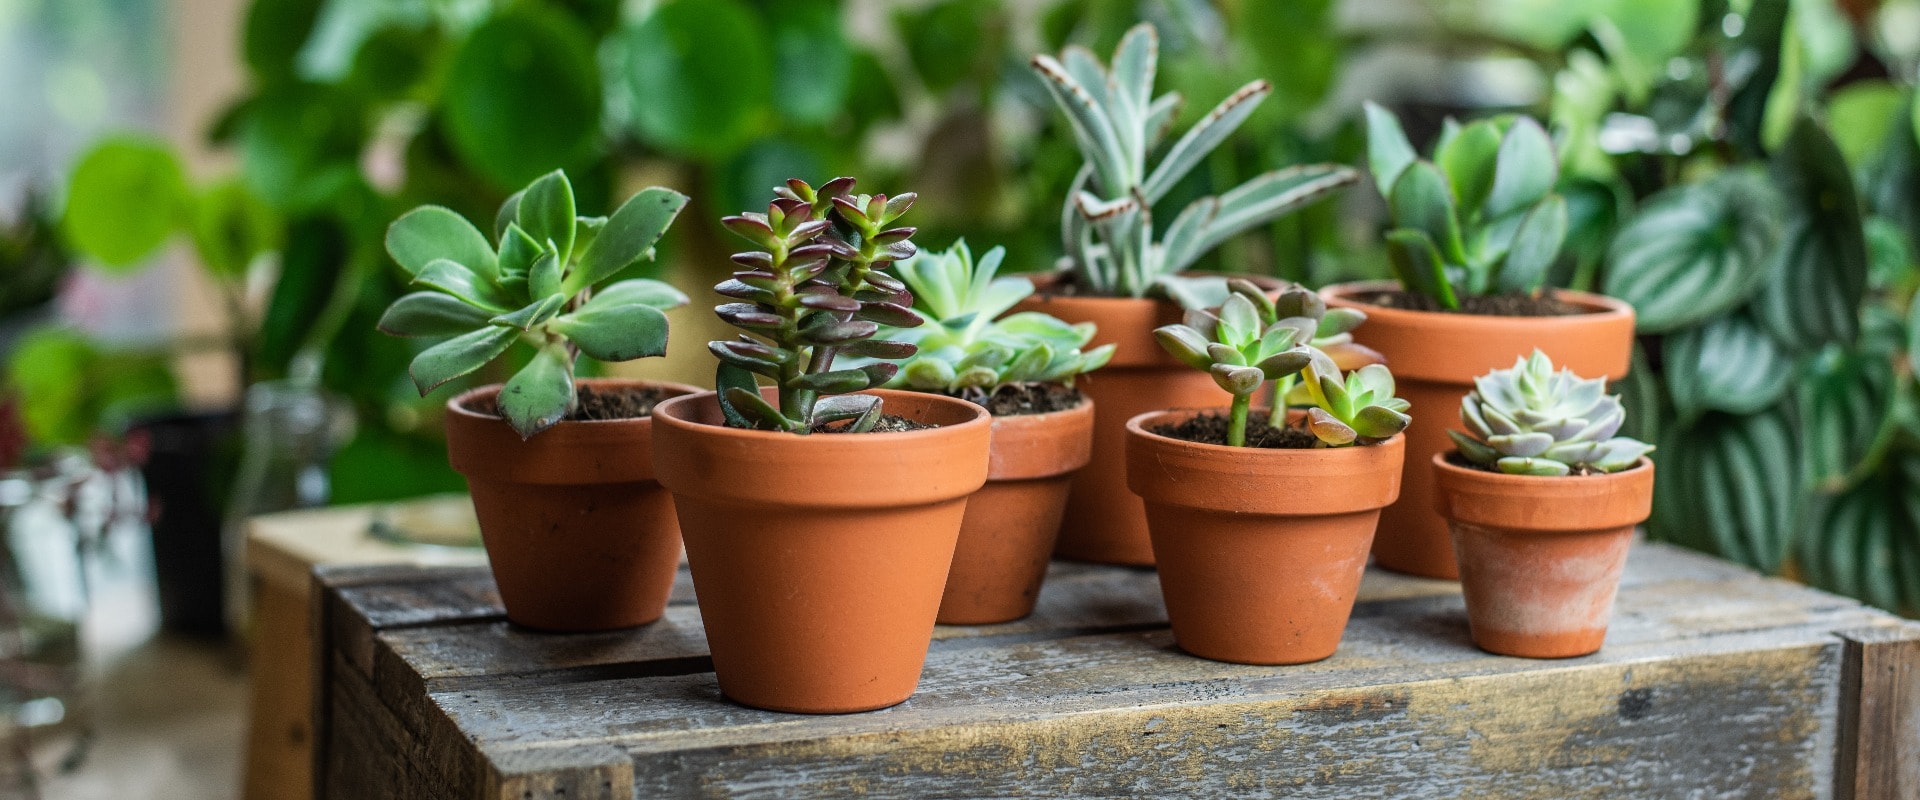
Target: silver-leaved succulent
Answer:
[[1531, 420]]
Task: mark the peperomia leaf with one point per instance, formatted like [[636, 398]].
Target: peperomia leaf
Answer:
[[430, 314], [1695, 251], [459, 356], [428, 233]]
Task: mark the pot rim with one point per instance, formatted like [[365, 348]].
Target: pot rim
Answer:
[[456, 405], [1599, 306], [1138, 425], [1537, 504]]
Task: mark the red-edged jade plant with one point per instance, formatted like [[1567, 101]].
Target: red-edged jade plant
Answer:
[[1022, 367], [1542, 498], [819, 512], [579, 535], [1126, 274], [1474, 229], [1261, 526]]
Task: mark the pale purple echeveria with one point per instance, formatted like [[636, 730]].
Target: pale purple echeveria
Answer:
[[1531, 420]]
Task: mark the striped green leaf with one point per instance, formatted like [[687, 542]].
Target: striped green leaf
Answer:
[[1731, 485], [1729, 364], [1845, 399], [1695, 251], [1819, 272]]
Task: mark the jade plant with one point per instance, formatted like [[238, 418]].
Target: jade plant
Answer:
[[1480, 217], [817, 289], [1107, 222], [1531, 420], [968, 349], [551, 279]]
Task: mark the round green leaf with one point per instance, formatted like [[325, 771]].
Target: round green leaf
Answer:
[[616, 332], [232, 226], [1731, 485], [540, 394], [1861, 114], [813, 64], [1729, 364], [1695, 251], [431, 314], [124, 199], [523, 95], [428, 233], [699, 80]]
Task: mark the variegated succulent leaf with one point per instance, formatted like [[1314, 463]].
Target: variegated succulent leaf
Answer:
[[1526, 419]]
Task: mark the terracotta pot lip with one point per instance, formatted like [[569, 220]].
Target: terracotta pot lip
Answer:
[[1137, 426], [1504, 479], [1042, 280], [457, 405], [1599, 307], [672, 404]]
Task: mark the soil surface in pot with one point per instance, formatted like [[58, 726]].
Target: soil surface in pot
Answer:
[[1511, 304], [888, 424], [1461, 461], [1212, 429], [1019, 399], [594, 404]]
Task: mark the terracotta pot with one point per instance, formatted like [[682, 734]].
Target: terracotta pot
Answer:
[[1260, 550], [1011, 523], [1435, 357], [819, 560], [579, 534], [1540, 558], [1104, 523]]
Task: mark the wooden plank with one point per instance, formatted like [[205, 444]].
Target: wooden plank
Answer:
[[586, 772], [280, 732], [370, 755], [1879, 749]]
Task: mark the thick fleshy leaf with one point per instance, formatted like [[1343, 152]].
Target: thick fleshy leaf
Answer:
[[630, 233], [1185, 344], [427, 233], [638, 291], [838, 381], [1468, 159], [1388, 151], [1536, 246], [1419, 266], [459, 356], [1330, 429], [754, 410], [430, 314], [1379, 422], [546, 213], [540, 394], [1521, 465], [532, 314], [1236, 380], [460, 282], [1525, 169], [863, 409], [1422, 201], [1474, 450], [615, 332], [518, 251]]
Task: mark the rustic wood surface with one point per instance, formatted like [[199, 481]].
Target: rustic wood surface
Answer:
[[1715, 682]]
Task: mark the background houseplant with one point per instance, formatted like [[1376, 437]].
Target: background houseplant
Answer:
[[1251, 574], [1022, 368], [819, 522], [1542, 499], [578, 533]]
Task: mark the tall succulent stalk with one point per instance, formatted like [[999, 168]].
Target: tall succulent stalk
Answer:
[[814, 291], [1107, 220]]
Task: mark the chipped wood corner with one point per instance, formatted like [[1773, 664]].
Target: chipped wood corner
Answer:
[[1878, 755]]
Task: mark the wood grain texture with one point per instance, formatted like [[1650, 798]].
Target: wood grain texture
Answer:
[[1714, 682], [1879, 753]]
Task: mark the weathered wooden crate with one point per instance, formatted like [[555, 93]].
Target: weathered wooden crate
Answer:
[[1715, 682]]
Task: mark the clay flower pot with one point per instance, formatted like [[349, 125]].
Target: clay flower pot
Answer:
[[819, 560], [1104, 523], [1260, 550], [579, 534], [1435, 357], [1540, 558], [1011, 523]]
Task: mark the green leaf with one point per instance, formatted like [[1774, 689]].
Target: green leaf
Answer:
[[1732, 485], [628, 235], [755, 412], [1525, 169], [523, 95], [1728, 364], [615, 332], [546, 213], [1468, 160], [459, 356], [1535, 247], [698, 77], [124, 200], [433, 232], [1695, 251], [1861, 115], [1820, 269], [540, 394], [838, 381], [232, 227], [71, 390], [533, 313], [641, 291], [1845, 400], [727, 380], [1419, 267], [518, 252], [1421, 201], [430, 314], [543, 278], [460, 282], [300, 145], [813, 63], [1388, 151]]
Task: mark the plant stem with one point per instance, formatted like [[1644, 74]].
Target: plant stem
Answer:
[[1237, 427], [1282, 387]]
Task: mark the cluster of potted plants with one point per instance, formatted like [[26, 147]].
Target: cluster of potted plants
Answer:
[[893, 439]]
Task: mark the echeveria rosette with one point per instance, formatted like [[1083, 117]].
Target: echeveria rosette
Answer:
[[1239, 349], [814, 291], [551, 279], [1531, 420], [1480, 217], [968, 349]]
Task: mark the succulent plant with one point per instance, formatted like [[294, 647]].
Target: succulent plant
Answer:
[[1359, 409], [815, 291], [969, 350], [1480, 217], [1107, 220], [551, 279], [1239, 350], [1530, 420], [1333, 334]]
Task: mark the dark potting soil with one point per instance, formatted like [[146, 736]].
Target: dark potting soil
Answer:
[[888, 424], [597, 404], [1462, 462], [1511, 304], [1016, 399], [1211, 428]]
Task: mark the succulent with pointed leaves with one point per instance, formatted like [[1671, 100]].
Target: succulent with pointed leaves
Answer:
[[1357, 409], [1240, 351], [969, 350], [1107, 220], [1530, 420], [815, 290], [1481, 217], [552, 279], [1333, 333]]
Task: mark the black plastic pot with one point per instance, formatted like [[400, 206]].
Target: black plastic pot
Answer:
[[187, 473]]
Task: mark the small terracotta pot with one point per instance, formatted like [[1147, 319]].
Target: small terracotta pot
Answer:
[[1011, 523], [579, 534], [1104, 523], [819, 560], [1540, 558], [1260, 550], [1435, 357]]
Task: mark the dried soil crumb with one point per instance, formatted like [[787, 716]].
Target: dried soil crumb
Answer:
[[1511, 304], [1211, 428], [592, 404], [1016, 399], [888, 424]]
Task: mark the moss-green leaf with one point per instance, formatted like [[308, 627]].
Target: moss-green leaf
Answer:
[[430, 314], [459, 356], [433, 232], [627, 236], [615, 333], [540, 394], [546, 213], [124, 199]]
